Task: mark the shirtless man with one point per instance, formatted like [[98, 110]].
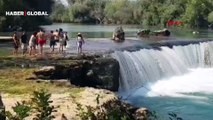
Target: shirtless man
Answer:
[[56, 36], [52, 41], [41, 40], [16, 43]]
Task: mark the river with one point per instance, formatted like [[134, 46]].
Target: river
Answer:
[[177, 79]]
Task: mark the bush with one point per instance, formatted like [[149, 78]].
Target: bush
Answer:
[[39, 105], [21, 110]]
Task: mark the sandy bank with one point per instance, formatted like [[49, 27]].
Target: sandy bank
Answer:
[[64, 101]]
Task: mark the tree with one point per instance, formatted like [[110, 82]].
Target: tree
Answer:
[[210, 17], [29, 22], [97, 9], [119, 11], [197, 12]]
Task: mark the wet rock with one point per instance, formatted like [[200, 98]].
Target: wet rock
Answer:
[[118, 35], [101, 73], [45, 72], [164, 32], [143, 33], [120, 108], [141, 114], [95, 72]]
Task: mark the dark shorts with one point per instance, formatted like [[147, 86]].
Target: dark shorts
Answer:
[[15, 46], [52, 43], [56, 40]]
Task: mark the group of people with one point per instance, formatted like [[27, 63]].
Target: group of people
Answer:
[[39, 39]]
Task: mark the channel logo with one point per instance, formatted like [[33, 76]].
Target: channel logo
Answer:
[[26, 13]]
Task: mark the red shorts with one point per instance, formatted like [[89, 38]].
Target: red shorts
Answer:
[[41, 42]]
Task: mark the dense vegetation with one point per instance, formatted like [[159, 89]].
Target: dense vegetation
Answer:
[[25, 22], [193, 13]]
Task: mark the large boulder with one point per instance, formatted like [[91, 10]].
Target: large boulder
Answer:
[[148, 33], [118, 35], [99, 72], [143, 33], [164, 32], [141, 114]]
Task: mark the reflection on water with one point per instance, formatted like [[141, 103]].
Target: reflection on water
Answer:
[[105, 31]]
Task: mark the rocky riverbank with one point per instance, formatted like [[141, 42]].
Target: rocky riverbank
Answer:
[[99, 71], [20, 76]]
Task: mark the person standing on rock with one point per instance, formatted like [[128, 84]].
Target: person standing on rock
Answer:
[[63, 42], [32, 43], [41, 40], [80, 42], [15, 43], [24, 42], [52, 41]]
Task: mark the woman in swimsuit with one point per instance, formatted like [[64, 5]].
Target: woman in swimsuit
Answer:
[[80, 42]]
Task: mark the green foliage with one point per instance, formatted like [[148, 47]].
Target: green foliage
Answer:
[[110, 110], [194, 13], [85, 114], [210, 17], [197, 12], [41, 104], [60, 13], [22, 21], [21, 110]]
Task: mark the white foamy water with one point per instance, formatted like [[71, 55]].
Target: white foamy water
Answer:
[[149, 65], [196, 81], [177, 79]]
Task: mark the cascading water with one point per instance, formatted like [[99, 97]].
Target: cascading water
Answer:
[[180, 76], [149, 65]]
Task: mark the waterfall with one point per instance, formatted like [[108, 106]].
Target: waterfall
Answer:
[[149, 65]]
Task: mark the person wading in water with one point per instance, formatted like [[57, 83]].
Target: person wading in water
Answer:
[[15, 43], [24, 42], [80, 42], [52, 41], [32, 43], [41, 40]]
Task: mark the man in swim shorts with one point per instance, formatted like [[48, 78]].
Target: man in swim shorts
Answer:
[[41, 40]]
